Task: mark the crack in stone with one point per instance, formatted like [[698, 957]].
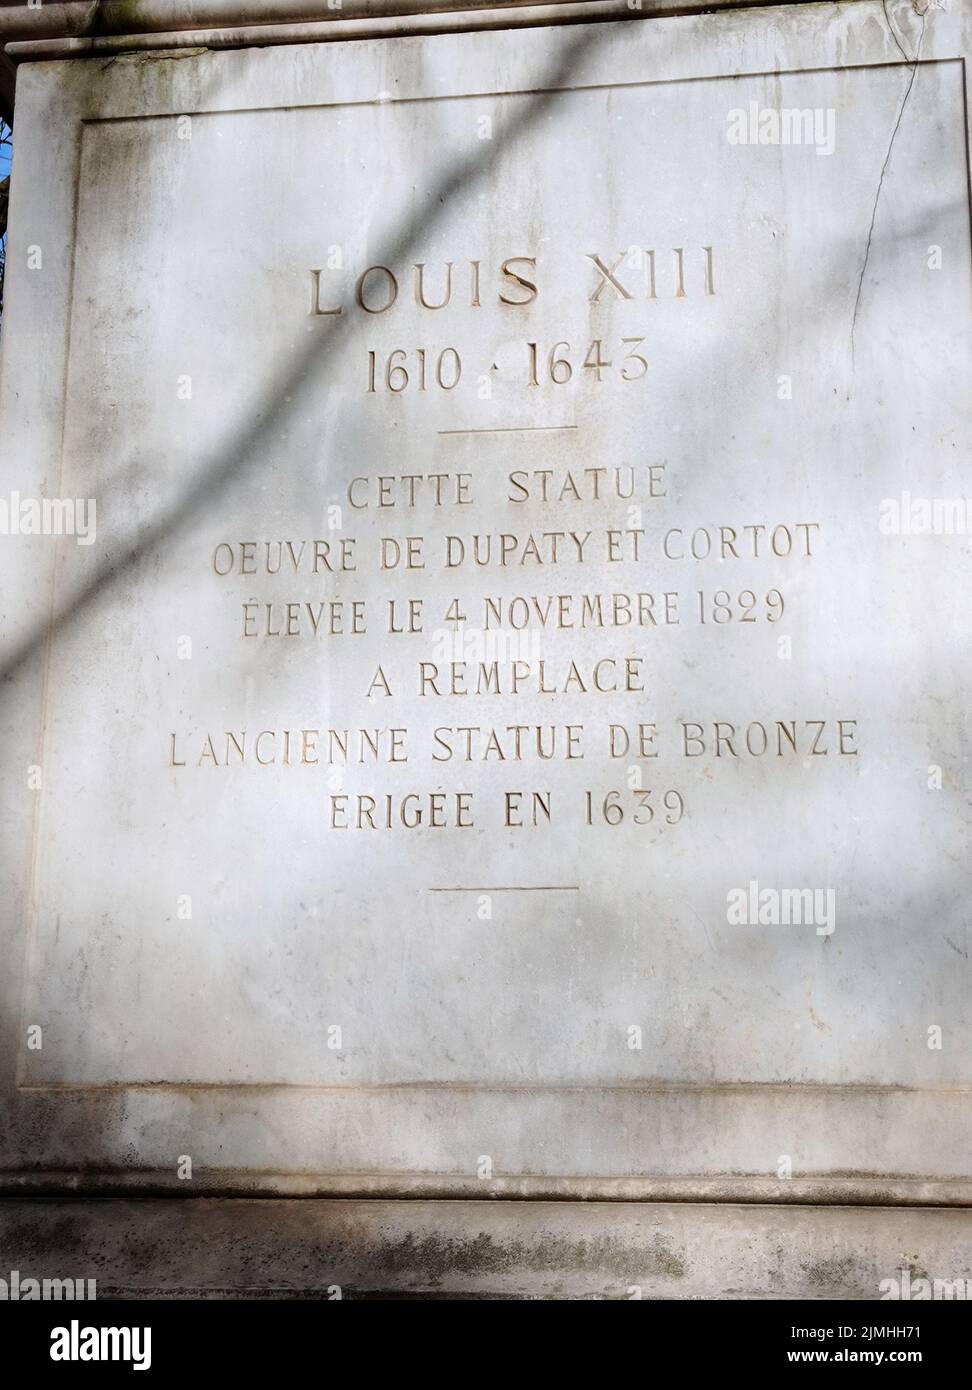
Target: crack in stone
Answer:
[[887, 158], [893, 32]]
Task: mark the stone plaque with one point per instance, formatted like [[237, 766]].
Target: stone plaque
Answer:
[[498, 711]]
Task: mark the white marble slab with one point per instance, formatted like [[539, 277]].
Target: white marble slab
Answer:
[[227, 959]]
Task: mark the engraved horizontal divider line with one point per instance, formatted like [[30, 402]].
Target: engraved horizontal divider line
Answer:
[[516, 888], [381, 100], [509, 429]]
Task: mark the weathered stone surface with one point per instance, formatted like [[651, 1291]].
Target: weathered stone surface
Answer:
[[596, 1250], [233, 959]]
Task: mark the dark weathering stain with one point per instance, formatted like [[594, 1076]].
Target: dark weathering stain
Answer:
[[437, 1257], [832, 1274]]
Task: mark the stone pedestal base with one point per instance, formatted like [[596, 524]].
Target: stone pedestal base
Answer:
[[282, 1248]]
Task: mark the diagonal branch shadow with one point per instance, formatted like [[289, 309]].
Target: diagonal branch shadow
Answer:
[[243, 446]]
